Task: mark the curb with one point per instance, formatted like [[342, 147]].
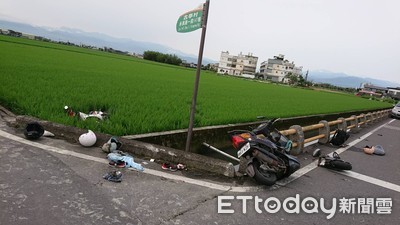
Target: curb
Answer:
[[191, 160]]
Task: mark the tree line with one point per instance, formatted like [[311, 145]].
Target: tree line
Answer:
[[162, 58]]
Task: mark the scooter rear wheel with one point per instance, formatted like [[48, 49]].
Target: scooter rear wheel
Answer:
[[263, 177]]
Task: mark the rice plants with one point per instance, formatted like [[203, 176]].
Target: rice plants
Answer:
[[39, 79]]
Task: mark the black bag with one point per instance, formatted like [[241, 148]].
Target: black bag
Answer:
[[339, 137]]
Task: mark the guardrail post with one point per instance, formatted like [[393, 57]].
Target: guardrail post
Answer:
[[373, 116], [363, 119], [369, 118], [378, 115], [343, 124], [354, 122], [298, 138], [324, 130]]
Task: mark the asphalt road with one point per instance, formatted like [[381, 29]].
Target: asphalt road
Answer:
[[50, 181]]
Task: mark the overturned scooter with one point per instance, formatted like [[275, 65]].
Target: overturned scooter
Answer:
[[333, 161], [266, 158]]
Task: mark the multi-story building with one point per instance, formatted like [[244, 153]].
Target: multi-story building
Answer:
[[240, 65], [277, 68], [394, 92]]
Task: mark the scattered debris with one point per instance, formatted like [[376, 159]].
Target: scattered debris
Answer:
[[112, 145], [48, 134], [114, 176], [168, 166], [88, 139], [180, 166], [95, 114], [332, 161], [172, 167], [69, 111]]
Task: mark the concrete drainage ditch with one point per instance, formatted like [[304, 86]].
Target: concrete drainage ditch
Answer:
[[164, 145]]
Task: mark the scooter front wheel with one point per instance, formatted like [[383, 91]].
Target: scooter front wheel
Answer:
[[263, 177]]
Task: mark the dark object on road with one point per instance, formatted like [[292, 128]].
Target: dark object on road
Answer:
[[33, 131], [339, 137], [334, 162], [114, 176]]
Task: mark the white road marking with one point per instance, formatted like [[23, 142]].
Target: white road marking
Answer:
[[371, 180], [314, 164], [207, 184], [146, 171], [393, 128]]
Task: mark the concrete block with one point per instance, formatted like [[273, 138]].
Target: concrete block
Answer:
[[324, 130], [298, 138], [343, 124]]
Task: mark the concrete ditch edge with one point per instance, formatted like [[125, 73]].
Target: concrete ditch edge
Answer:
[[137, 148]]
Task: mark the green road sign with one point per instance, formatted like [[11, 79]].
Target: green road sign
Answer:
[[190, 21]]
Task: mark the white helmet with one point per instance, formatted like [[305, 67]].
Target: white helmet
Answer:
[[88, 139]]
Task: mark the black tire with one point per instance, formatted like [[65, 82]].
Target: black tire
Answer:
[[266, 178], [339, 165]]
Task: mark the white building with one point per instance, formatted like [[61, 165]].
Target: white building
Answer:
[[241, 65], [277, 68], [394, 92]]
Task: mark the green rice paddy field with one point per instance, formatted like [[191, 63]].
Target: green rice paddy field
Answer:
[[39, 79]]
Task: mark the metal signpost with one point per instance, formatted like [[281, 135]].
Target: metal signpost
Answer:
[[188, 22]]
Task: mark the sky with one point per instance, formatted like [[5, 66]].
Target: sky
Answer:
[[356, 37]]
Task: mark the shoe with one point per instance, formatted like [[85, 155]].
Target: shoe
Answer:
[[120, 164], [114, 176]]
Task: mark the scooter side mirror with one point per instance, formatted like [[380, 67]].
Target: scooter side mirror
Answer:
[[316, 153]]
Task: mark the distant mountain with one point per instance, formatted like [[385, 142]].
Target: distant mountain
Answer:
[[97, 39], [344, 80]]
